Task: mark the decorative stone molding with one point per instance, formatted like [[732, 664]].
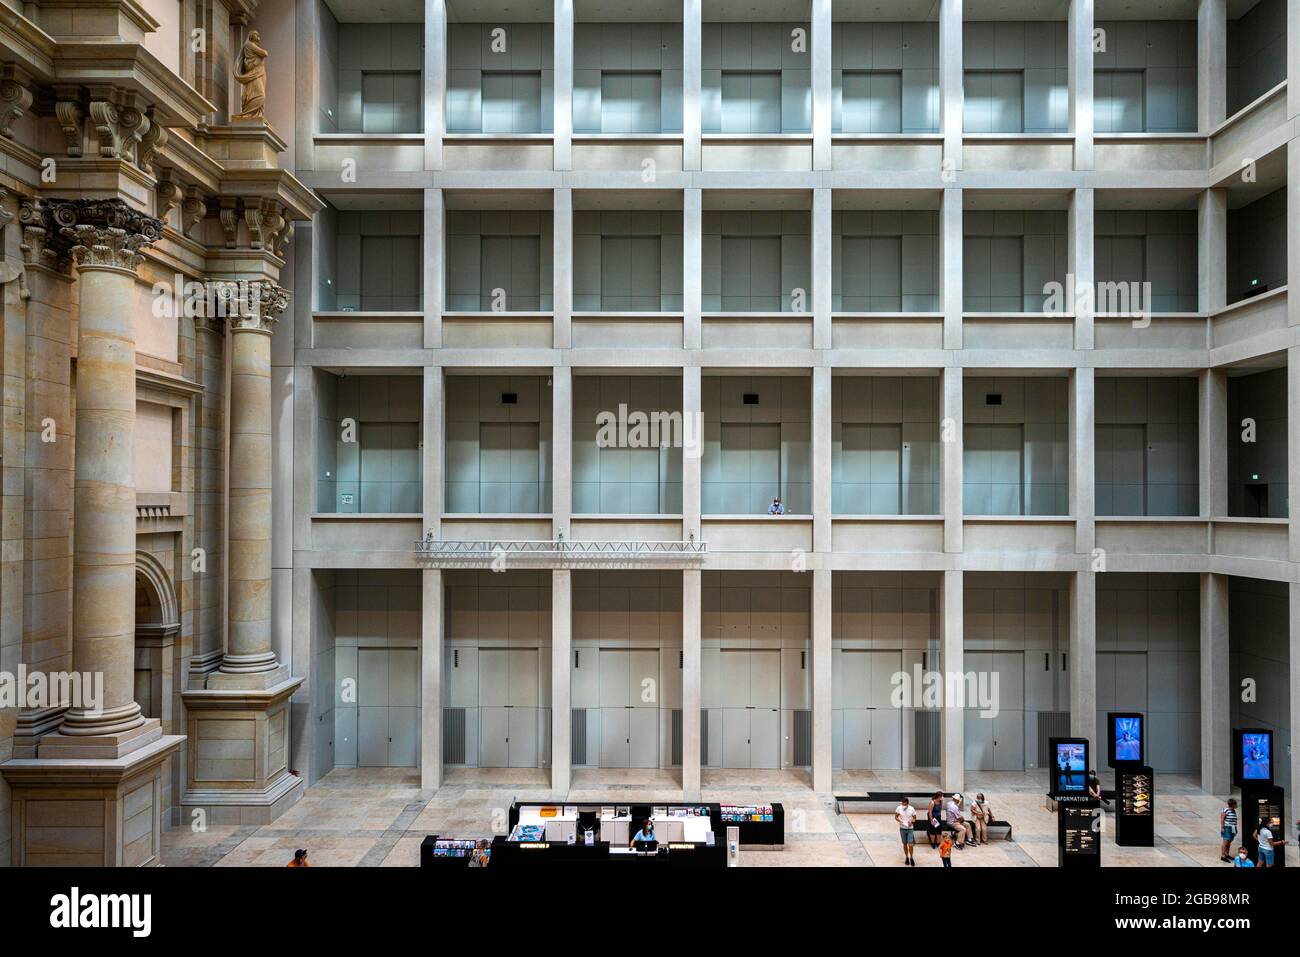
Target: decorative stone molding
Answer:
[[152, 140], [68, 111], [94, 232], [248, 305], [193, 209], [257, 230], [168, 192], [229, 218], [15, 97], [120, 124], [9, 271]]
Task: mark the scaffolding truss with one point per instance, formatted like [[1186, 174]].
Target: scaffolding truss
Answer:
[[560, 553]]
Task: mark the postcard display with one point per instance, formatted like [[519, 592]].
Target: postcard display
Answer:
[[1262, 801], [446, 853], [1134, 781]]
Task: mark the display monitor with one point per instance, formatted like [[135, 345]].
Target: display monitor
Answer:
[[1069, 766], [1126, 739], [1255, 755]]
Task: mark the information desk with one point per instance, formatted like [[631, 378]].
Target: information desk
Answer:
[[761, 826], [508, 854]]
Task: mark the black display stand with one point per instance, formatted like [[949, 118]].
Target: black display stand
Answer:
[[1135, 803], [1077, 836], [1263, 803], [764, 834], [428, 859]]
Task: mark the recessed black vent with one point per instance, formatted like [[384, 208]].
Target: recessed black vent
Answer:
[[509, 398], [751, 398], [993, 398]]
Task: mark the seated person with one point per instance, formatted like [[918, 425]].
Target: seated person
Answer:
[[776, 508], [647, 833]]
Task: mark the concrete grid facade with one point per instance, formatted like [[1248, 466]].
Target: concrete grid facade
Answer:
[[952, 174]]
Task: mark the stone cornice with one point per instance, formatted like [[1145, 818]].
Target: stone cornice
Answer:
[[130, 10], [133, 68], [300, 201], [25, 42]]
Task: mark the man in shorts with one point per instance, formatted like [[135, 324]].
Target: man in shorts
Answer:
[[905, 815]]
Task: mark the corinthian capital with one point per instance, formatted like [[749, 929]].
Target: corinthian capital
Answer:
[[248, 305], [94, 232]]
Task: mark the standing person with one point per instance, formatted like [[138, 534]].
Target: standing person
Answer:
[[961, 830], [945, 850], [299, 859], [979, 815], [1264, 835], [905, 815], [934, 816], [1228, 830]]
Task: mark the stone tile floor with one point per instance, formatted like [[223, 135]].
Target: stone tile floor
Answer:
[[373, 817]]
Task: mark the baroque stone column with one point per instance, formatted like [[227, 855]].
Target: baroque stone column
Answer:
[[250, 660], [104, 237], [238, 722]]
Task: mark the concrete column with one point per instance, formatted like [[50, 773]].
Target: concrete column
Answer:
[[1083, 656], [1293, 448], [1293, 205], [1292, 64], [432, 609], [692, 67], [1293, 688], [952, 717], [822, 268], [1081, 85], [950, 267], [1212, 250], [563, 89], [820, 50], [250, 660], [821, 458], [562, 272], [1212, 413], [432, 624], [951, 84], [435, 270], [692, 411], [1211, 64], [105, 242], [561, 682], [692, 670], [1081, 265], [561, 450], [1216, 690], [435, 82], [1083, 476], [692, 264], [950, 457], [822, 681]]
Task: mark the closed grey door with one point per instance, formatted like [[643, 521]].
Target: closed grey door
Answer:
[[643, 737], [494, 737], [372, 707], [524, 748], [886, 720], [1009, 723], [372, 732], [857, 738], [765, 737], [735, 737], [615, 725]]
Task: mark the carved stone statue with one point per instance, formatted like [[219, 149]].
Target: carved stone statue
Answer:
[[250, 71]]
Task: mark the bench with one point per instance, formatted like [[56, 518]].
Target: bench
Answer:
[[884, 802]]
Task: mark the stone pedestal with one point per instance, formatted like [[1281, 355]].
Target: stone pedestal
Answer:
[[238, 751], [89, 813]]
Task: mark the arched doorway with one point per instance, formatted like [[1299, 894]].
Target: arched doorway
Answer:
[[157, 622]]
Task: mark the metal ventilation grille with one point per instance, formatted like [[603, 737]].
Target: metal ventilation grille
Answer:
[[677, 737], [578, 736], [1051, 724], [453, 735], [925, 731], [803, 738], [704, 737]]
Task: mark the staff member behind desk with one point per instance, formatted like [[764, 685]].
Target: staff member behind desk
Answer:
[[645, 835]]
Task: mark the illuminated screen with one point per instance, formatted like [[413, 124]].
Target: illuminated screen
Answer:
[[1071, 767], [1128, 739], [1256, 756]]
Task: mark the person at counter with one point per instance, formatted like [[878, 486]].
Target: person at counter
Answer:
[[646, 834]]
